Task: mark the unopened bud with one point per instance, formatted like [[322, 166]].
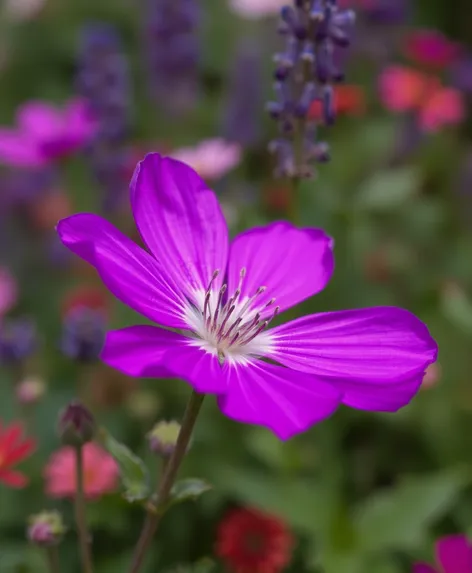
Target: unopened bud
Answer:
[[163, 438], [46, 528], [76, 425], [30, 391]]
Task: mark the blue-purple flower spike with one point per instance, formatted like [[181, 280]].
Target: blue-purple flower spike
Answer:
[[305, 72], [242, 121], [172, 50], [103, 79]]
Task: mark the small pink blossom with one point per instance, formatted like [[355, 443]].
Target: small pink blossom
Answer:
[[401, 88], [254, 9], [8, 291], [431, 48], [444, 107], [100, 472], [45, 133], [212, 158], [23, 9]]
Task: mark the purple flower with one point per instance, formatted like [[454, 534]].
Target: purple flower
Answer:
[[453, 555], [44, 133], [222, 295]]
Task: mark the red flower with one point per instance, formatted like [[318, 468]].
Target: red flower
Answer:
[[13, 449], [348, 100], [250, 541]]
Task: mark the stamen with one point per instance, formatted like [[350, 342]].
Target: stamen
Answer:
[[235, 324], [218, 304], [225, 320]]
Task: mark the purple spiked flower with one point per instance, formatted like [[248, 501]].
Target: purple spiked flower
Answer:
[[222, 295], [103, 80], [314, 30], [172, 50]]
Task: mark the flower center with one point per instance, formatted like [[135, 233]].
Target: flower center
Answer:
[[229, 323]]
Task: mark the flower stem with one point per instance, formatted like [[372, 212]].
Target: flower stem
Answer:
[[170, 473], [82, 530], [53, 559]]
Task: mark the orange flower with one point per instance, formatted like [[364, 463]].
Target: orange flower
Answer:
[[403, 89], [348, 100]]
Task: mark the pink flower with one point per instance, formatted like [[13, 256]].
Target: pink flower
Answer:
[[45, 133], [221, 296], [100, 472], [445, 106], [212, 158], [431, 48], [453, 555], [254, 9], [403, 89], [8, 291]]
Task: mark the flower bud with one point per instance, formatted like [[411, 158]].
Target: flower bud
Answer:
[[163, 438], [30, 391], [76, 425], [45, 528]]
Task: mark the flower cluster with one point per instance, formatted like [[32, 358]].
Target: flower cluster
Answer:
[[305, 72]]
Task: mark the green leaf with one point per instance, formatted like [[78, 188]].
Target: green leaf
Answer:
[[186, 489], [400, 516], [134, 473], [388, 189]]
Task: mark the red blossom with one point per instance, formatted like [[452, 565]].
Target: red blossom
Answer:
[[348, 100], [13, 449], [250, 541]]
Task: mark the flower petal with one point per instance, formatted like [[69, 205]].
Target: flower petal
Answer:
[[19, 150], [138, 350], [375, 356], [21, 451], [454, 553], [181, 222], [39, 119], [201, 369], [293, 264], [284, 400], [423, 568], [13, 478], [130, 273]]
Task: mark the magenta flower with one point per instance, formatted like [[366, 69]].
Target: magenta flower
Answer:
[[222, 296], [453, 555], [45, 133]]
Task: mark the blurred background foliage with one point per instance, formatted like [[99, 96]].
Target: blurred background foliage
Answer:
[[361, 491]]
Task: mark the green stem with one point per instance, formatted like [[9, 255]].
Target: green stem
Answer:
[[170, 473], [53, 559], [80, 518]]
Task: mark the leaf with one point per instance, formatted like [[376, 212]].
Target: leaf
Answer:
[[400, 516], [134, 473], [186, 489], [388, 189]]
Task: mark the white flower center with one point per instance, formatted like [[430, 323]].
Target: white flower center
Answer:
[[231, 327]]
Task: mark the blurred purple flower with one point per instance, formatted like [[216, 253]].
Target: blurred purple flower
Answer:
[[18, 340], [225, 294], [460, 74], [103, 80], [242, 114], [45, 133], [83, 334], [305, 72], [172, 49], [453, 555]]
